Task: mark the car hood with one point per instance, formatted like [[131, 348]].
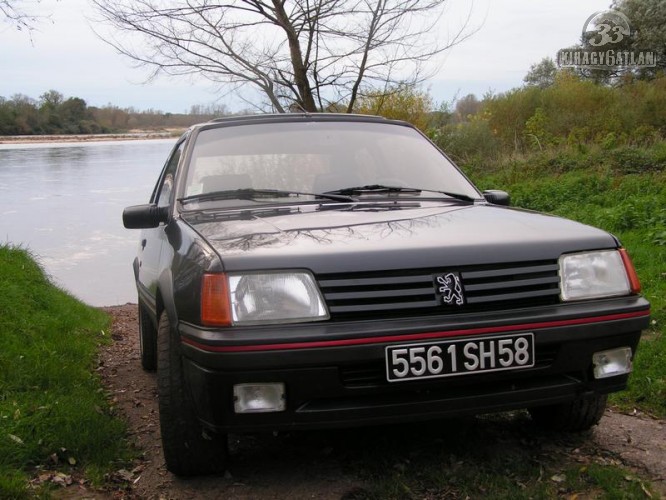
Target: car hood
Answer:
[[395, 235]]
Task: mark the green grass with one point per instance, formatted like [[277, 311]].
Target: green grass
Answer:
[[51, 401], [632, 206]]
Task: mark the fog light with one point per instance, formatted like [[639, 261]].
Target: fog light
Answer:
[[612, 363], [259, 398]]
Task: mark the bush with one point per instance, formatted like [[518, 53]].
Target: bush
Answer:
[[469, 143]]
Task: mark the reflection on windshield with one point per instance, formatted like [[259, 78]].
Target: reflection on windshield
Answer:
[[318, 157]]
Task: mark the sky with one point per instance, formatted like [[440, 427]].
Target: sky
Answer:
[[64, 54]]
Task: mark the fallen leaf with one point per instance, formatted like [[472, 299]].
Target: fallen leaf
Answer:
[[61, 479], [16, 439], [124, 475], [138, 469], [558, 478], [645, 490], [44, 477], [71, 460]]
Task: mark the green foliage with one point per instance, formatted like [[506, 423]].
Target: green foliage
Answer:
[[468, 143], [51, 403], [400, 103], [542, 74], [52, 114], [571, 113], [647, 18]]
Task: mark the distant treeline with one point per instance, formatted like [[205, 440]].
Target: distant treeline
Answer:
[[54, 113]]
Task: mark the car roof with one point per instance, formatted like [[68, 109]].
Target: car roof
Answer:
[[296, 117]]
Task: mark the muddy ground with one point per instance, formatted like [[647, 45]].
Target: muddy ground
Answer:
[[321, 465]]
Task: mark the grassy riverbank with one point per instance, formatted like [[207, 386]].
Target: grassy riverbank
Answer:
[[54, 415]]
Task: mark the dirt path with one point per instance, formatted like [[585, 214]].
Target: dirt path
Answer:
[[312, 464]]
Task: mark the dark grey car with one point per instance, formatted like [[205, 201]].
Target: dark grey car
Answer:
[[305, 271]]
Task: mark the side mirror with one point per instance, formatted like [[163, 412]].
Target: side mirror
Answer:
[[145, 216], [497, 197]]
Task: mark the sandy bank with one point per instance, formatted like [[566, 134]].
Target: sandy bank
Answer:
[[35, 139]]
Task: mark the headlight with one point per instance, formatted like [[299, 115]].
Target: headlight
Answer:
[[593, 275], [288, 297]]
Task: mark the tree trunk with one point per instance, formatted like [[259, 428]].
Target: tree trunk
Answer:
[[306, 97]]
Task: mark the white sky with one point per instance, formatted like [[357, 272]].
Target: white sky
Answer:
[[65, 55]]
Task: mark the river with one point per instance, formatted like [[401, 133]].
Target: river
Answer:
[[64, 202]]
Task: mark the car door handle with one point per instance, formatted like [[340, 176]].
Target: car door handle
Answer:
[[143, 243]]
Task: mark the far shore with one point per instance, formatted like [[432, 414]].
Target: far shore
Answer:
[[36, 139]]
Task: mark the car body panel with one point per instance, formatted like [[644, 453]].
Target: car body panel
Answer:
[[353, 238]]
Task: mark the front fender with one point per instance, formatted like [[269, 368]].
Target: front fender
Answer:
[[184, 260]]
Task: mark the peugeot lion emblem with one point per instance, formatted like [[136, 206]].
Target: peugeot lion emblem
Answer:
[[450, 289]]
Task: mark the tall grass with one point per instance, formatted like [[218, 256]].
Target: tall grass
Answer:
[[51, 401]]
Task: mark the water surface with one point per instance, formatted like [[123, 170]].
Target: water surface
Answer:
[[64, 202]]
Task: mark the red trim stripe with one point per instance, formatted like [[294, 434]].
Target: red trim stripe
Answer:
[[412, 336]]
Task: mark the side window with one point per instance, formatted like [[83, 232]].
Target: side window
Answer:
[[163, 194]]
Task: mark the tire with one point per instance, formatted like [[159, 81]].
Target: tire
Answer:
[[577, 415], [188, 450], [147, 340]]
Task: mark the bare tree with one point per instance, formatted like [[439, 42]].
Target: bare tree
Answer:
[[19, 13], [312, 55]]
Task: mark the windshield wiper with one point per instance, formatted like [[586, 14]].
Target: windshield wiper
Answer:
[[251, 194], [457, 196], [379, 188], [373, 188]]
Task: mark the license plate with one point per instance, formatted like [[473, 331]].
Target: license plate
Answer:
[[451, 358]]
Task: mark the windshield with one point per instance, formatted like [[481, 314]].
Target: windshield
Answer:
[[319, 157]]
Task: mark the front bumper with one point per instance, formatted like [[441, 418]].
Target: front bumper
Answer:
[[335, 373]]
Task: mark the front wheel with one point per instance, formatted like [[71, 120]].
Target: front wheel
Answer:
[[188, 450], [577, 415]]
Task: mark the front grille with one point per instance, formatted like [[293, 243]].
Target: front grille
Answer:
[[405, 292], [511, 283]]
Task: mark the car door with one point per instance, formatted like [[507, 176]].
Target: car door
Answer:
[[153, 239]]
